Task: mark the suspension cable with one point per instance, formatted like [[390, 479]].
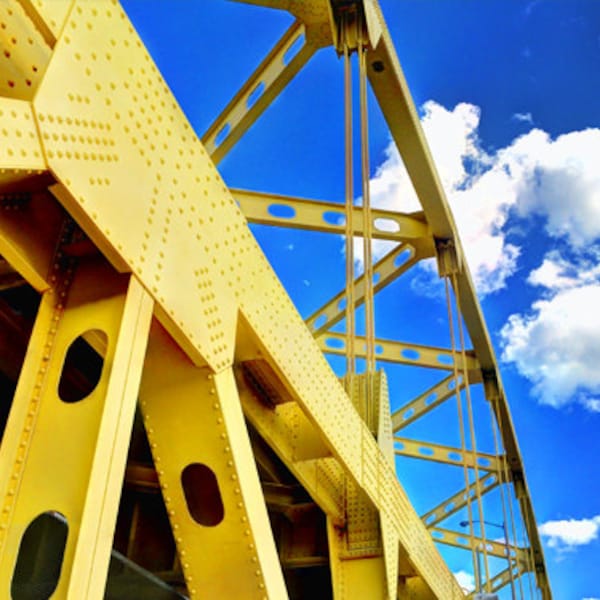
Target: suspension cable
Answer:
[[461, 429], [349, 230], [471, 429]]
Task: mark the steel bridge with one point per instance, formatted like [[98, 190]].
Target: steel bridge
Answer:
[[171, 426]]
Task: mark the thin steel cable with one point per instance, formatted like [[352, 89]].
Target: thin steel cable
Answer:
[[472, 431], [349, 229], [461, 429]]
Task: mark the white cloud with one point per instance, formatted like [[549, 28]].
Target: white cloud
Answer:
[[560, 181], [465, 580], [570, 533], [473, 187], [556, 179], [556, 346], [554, 342]]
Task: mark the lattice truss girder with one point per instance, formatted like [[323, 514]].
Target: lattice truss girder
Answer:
[[113, 210]]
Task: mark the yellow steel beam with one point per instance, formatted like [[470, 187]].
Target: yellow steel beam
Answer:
[[328, 217], [304, 453], [503, 578], [462, 539], [365, 551], [354, 577], [402, 353], [426, 401], [448, 454], [487, 482], [263, 86], [390, 267], [66, 453], [195, 426]]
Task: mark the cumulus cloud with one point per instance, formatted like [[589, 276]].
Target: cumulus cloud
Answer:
[[556, 179], [474, 188], [465, 580], [567, 534], [559, 180], [554, 344]]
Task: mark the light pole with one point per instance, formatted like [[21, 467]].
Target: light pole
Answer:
[[507, 552]]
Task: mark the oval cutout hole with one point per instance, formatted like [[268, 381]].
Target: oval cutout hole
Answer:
[[282, 211], [387, 225], [320, 321], [255, 94], [40, 558], [402, 258], [445, 359], [222, 135], [334, 343], [295, 47], [334, 218], [410, 354], [82, 368], [202, 494]]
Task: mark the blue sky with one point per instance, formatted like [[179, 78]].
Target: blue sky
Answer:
[[508, 93]]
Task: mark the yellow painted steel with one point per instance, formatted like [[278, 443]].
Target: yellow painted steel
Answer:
[[390, 267], [329, 217], [258, 92], [424, 403], [494, 548], [458, 501], [194, 417], [114, 211], [448, 455], [403, 353], [69, 457]]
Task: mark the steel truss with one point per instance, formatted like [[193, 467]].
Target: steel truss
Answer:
[[171, 424]]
